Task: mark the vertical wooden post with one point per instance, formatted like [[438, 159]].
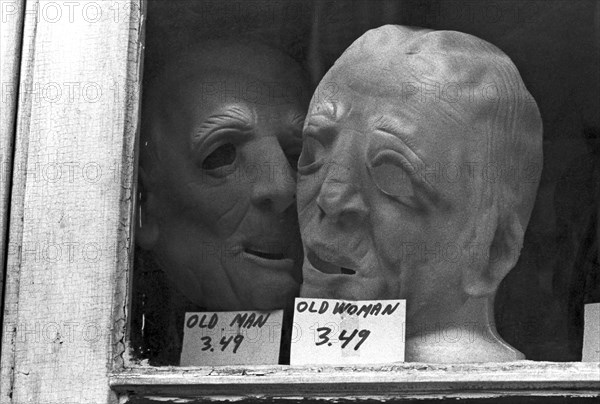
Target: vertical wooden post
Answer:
[[72, 200]]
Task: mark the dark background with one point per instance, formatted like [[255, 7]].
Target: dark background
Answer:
[[556, 47]]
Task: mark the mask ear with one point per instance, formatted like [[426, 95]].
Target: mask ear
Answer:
[[484, 279], [147, 231]]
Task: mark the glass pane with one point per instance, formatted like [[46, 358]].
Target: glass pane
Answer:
[[203, 169]]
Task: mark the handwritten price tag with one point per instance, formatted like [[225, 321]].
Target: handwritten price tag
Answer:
[[338, 332], [231, 338]]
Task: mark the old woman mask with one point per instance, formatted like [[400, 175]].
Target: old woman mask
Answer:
[[417, 178]]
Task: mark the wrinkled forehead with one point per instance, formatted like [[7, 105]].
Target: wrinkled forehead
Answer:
[[371, 88], [215, 77], [366, 104], [382, 116]]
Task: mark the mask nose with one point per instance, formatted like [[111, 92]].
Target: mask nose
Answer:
[[341, 200], [275, 186]]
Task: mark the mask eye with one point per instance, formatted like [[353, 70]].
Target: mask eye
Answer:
[[389, 171], [392, 180], [222, 156]]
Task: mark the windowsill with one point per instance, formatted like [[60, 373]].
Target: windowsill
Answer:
[[403, 380]]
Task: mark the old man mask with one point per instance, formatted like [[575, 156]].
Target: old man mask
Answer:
[[220, 140]]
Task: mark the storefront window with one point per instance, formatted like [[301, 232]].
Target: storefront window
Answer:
[[232, 156]]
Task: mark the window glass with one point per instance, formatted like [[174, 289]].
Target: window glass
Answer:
[[226, 90]]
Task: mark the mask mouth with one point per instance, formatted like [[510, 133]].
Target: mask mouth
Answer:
[[264, 254], [266, 249], [266, 257], [327, 267]]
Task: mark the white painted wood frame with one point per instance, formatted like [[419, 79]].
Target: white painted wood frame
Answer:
[[72, 199]]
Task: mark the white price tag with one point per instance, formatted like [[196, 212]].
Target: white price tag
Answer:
[[338, 332], [231, 338]]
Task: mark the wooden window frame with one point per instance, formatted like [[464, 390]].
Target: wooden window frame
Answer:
[[41, 363]]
